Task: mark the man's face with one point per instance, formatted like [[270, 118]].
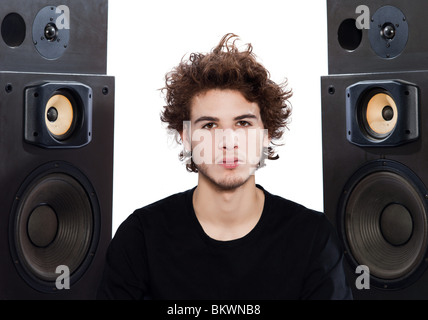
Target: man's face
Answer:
[[226, 137]]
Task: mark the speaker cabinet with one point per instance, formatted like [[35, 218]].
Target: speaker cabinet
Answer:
[[56, 202], [56, 148], [375, 178], [376, 36]]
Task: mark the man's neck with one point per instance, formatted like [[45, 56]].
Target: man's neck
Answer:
[[228, 214]]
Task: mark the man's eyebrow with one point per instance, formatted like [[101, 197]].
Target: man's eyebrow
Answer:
[[245, 116], [214, 119], [206, 118]]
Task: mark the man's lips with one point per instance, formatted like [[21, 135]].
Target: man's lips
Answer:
[[230, 163]]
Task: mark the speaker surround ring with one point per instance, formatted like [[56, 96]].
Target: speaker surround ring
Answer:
[[382, 219], [60, 196]]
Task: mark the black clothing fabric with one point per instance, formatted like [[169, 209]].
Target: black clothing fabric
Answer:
[[162, 252]]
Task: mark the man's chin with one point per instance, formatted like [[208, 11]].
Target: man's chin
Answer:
[[227, 183]]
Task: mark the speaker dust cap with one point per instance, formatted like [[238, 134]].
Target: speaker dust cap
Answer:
[[58, 115], [382, 113]]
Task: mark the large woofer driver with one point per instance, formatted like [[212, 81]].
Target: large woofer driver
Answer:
[[54, 222], [383, 219]]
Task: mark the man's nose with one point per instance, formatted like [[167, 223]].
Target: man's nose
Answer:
[[228, 139]]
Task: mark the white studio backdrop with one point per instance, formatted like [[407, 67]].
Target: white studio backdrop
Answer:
[[148, 38]]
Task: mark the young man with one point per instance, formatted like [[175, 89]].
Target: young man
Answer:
[[226, 238]]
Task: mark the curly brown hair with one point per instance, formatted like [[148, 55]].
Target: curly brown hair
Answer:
[[226, 68]]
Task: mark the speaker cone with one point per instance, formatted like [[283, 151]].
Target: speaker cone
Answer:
[[379, 114], [60, 117], [384, 222], [54, 223]]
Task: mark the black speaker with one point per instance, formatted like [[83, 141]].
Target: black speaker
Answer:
[[374, 120], [376, 36], [56, 149], [375, 185]]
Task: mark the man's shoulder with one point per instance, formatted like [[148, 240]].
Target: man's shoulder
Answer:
[[282, 203], [302, 221], [162, 213], [172, 203], [290, 210]]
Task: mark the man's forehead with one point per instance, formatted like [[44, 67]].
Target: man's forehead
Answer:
[[222, 104]]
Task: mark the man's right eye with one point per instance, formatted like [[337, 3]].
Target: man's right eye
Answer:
[[209, 125]]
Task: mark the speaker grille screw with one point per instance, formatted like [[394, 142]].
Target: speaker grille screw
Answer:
[[8, 88]]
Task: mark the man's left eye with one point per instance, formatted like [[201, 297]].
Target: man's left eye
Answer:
[[243, 124]]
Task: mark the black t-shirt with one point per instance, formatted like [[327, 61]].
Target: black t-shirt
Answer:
[[162, 252]]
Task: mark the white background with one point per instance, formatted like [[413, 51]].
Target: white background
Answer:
[[148, 38]]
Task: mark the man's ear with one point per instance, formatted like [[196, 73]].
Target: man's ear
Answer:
[[266, 138], [185, 136]]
